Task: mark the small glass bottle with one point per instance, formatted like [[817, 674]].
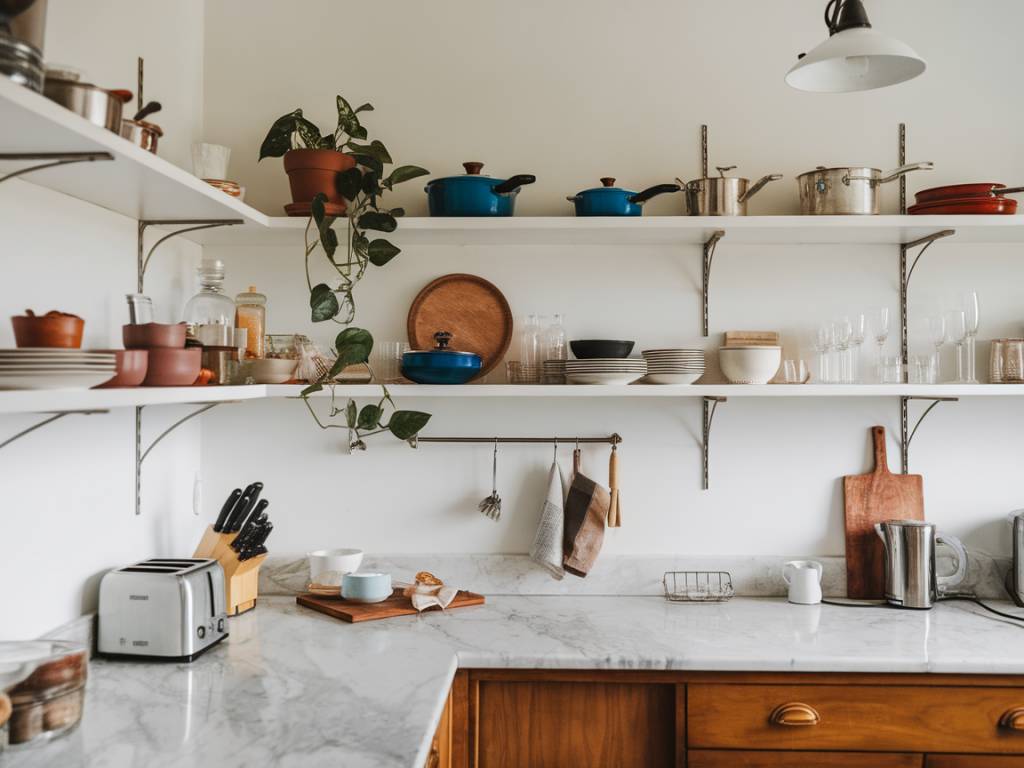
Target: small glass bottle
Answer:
[[251, 314], [211, 312], [556, 343]]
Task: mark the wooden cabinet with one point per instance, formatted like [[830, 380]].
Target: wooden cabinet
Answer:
[[703, 758], [584, 719]]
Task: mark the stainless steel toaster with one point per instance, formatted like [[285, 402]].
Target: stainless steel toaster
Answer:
[[163, 608], [1015, 576]]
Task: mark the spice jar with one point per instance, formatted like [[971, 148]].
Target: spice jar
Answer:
[[251, 314], [1007, 361]]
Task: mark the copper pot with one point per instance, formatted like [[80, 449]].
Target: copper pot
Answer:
[[141, 133]]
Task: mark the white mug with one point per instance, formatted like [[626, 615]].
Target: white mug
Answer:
[[804, 580]]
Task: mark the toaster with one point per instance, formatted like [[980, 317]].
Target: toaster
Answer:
[[170, 609], [1015, 576]]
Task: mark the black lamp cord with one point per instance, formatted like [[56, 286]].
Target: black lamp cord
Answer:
[[964, 597]]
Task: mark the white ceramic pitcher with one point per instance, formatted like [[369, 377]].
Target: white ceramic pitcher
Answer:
[[804, 580]]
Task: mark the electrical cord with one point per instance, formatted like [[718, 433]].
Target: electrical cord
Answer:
[[946, 598], [976, 601]]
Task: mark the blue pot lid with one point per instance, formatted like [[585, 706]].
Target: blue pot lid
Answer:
[[471, 176], [441, 355], [608, 187]]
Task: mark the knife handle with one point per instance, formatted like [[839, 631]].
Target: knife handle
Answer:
[[222, 518], [241, 514], [253, 517]]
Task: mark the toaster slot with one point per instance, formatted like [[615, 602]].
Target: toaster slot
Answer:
[[149, 569], [209, 584]]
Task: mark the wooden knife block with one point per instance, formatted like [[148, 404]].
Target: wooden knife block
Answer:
[[241, 577]]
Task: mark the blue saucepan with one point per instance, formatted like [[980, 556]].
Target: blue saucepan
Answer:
[[609, 200], [440, 365], [474, 194]]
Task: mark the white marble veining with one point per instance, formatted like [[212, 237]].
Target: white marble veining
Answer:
[[291, 687]]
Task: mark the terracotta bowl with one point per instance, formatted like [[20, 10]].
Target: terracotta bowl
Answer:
[[173, 367], [54, 329], [131, 368], [153, 336]]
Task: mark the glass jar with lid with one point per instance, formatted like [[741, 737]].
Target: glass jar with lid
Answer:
[[251, 314], [211, 313]]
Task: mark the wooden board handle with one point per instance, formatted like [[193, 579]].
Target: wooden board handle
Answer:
[[794, 713], [1012, 719], [881, 458]]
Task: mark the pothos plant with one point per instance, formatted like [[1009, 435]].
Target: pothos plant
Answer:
[[363, 187]]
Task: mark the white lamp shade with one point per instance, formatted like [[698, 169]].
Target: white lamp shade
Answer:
[[857, 59]]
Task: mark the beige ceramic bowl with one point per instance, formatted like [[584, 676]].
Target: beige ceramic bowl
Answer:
[[749, 365]]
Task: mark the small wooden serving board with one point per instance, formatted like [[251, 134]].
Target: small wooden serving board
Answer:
[[396, 605]]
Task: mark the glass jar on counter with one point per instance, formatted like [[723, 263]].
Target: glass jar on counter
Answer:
[[211, 313], [251, 314]]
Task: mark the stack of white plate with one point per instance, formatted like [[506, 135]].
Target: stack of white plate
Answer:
[[673, 366], [605, 370], [52, 368], [553, 372]]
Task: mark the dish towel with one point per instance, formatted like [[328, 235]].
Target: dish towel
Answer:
[[586, 509], [547, 542], [424, 596]]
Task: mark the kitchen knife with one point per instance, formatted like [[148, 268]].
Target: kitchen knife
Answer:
[[252, 518], [235, 524], [234, 521], [256, 547], [226, 510], [251, 528]]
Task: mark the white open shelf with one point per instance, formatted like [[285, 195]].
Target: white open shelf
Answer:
[[54, 400]]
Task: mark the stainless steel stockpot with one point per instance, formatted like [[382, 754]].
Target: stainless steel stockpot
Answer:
[[722, 195], [846, 191]]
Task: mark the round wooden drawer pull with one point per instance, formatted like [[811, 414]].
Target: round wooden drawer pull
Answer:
[[799, 714], [1013, 719]]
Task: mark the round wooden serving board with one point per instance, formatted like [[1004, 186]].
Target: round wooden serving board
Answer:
[[473, 310]]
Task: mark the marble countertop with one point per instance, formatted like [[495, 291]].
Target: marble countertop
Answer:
[[291, 687]]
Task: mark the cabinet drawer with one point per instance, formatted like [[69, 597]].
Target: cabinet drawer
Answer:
[[727, 758], [856, 717], [974, 761]]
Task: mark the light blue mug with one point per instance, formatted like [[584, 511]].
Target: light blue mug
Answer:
[[366, 587]]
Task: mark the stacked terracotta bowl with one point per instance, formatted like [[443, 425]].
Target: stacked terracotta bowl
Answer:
[[170, 363]]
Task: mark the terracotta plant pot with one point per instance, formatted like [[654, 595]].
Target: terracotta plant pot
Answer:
[[311, 171], [173, 367], [131, 368], [54, 329], [153, 336]]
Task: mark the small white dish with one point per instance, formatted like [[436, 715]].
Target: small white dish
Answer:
[[604, 378], [366, 587], [670, 378]]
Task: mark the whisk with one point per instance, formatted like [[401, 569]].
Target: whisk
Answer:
[[491, 506]]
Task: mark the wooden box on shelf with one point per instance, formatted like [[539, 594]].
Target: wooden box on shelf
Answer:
[[241, 577]]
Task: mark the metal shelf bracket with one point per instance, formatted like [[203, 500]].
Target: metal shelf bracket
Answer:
[[905, 275], [140, 455], [905, 438], [709, 255], [51, 160], [188, 225], [708, 405], [49, 420]]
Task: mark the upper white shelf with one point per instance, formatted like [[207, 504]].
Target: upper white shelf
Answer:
[[54, 400], [136, 183]]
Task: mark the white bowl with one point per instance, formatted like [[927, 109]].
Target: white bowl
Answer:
[[750, 365], [269, 370], [343, 560]]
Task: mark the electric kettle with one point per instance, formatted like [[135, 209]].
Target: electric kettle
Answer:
[[1015, 576], [910, 577]]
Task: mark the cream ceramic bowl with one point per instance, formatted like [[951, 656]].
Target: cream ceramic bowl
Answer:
[[343, 561], [750, 365]]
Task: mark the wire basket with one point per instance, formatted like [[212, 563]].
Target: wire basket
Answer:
[[698, 586]]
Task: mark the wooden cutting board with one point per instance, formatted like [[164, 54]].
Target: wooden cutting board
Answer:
[[472, 309], [396, 605], [874, 498]]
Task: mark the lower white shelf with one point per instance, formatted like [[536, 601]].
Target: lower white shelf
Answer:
[[56, 400]]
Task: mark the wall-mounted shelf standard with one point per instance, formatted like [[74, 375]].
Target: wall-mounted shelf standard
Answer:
[[49, 420]]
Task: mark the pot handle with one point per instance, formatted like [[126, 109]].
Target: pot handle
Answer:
[[514, 183], [647, 194], [573, 198], [1006, 191], [892, 175], [944, 583], [758, 186]]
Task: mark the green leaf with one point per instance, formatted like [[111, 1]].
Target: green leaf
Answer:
[[404, 173], [377, 220], [381, 252], [328, 237], [397, 212], [308, 132], [357, 132], [279, 137], [351, 414], [372, 163], [369, 185], [311, 389], [323, 303], [405, 424], [353, 346], [369, 417], [327, 142], [374, 149], [360, 243], [364, 108], [348, 183]]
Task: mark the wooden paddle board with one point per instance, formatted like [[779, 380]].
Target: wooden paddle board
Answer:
[[874, 498], [396, 605]]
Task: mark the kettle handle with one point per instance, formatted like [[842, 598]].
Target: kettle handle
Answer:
[[946, 582], [878, 530]]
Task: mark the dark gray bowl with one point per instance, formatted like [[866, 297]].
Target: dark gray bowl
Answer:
[[590, 348]]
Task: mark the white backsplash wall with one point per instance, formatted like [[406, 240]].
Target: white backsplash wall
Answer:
[[68, 511]]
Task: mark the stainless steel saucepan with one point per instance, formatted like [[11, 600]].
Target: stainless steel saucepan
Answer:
[[722, 195], [846, 191]]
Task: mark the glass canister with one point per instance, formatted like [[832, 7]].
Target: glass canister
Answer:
[[251, 314], [211, 312], [1006, 361]]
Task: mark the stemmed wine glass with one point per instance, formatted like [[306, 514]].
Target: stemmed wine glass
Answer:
[[880, 330], [956, 333], [842, 331], [937, 336], [824, 343], [858, 325], [969, 303]]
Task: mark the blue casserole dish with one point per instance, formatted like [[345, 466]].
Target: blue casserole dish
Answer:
[[441, 365], [474, 194]]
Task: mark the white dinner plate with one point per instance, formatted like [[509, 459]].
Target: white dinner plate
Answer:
[[670, 378], [602, 378], [53, 381]]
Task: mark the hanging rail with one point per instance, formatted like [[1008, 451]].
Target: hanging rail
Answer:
[[905, 438], [53, 159], [612, 439], [46, 421], [188, 225]]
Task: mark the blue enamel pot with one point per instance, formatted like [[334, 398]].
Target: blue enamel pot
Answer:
[[475, 194], [441, 365], [609, 200]]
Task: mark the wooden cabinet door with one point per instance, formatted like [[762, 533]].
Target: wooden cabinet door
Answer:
[[974, 761], [707, 758], [580, 724], [440, 754]]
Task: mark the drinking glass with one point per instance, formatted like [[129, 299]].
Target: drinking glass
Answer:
[[921, 369], [880, 330], [937, 337], [843, 331], [890, 369], [386, 361], [795, 371], [825, 342], [956, 333], [969, 304], [210, 161], [858, 325]]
